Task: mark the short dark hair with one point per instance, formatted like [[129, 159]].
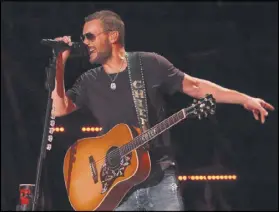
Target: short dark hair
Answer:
[[110, 21]]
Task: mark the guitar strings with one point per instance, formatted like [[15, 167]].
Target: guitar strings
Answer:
[[112, 153], [137, 137]]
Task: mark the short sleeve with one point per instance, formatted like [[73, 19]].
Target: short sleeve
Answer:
[[78, 92], [171, 78]]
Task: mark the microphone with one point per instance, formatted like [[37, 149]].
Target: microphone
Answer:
[[77, 48]]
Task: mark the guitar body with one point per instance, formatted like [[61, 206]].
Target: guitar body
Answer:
[[96, 182], [99, 171]]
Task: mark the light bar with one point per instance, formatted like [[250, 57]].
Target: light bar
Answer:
[[58, 129], [91, 129], [207, 177]]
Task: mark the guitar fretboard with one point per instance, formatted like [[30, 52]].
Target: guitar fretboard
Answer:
[[152, 132]]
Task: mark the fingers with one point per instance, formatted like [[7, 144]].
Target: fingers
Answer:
[[263, 114], [259, 109], [65, 52], [260, 115], [256, 115], [262, 111], [267, 105], [66, 39]]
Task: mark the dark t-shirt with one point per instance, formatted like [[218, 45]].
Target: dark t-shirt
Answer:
[[111, 107]]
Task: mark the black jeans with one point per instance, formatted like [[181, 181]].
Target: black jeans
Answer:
[[164, 196]]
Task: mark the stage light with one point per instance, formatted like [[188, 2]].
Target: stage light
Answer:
[[91, 129], [58, 129], [207, 177], [202, 178]]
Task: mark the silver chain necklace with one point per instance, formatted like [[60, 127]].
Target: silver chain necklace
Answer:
[[113, 84]]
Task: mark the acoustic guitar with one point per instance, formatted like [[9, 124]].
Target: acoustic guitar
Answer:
[[99, 171]]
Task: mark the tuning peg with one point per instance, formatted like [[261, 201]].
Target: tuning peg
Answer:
[[199, 116], [212, 111], [205, 114]]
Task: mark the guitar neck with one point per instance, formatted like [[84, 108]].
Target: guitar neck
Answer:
[[153, 132]]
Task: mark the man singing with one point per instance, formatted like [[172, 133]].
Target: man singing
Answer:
[[106, 91]]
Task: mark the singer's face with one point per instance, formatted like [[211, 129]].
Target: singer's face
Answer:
[[97, 42]]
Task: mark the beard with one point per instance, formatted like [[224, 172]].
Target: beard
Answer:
[[101, 55]]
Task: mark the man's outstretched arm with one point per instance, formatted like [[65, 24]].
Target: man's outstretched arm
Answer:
[[198, 88]]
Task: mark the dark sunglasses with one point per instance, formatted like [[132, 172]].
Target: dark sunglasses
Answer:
[[90, 36]]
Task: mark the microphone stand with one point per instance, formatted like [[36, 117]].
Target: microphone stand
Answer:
[[48, 125]]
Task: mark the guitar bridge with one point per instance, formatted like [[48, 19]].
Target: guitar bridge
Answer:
[[92, 165]]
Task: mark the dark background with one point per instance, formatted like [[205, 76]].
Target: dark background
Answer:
[[232, 44]]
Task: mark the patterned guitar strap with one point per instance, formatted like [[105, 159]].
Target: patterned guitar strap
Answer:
[[136, 76]]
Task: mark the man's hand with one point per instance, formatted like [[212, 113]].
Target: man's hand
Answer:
[[258, 108], [65, 53]]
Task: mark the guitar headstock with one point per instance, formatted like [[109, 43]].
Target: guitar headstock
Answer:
[[203, 107]]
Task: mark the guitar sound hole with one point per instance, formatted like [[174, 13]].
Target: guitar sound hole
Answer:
[[113, 158]]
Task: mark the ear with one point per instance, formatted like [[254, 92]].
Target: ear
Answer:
[[113, 37]]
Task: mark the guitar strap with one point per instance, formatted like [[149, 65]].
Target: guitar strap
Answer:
[[137, 82]]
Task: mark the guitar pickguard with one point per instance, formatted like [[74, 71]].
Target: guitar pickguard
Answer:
[[109, 174]]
